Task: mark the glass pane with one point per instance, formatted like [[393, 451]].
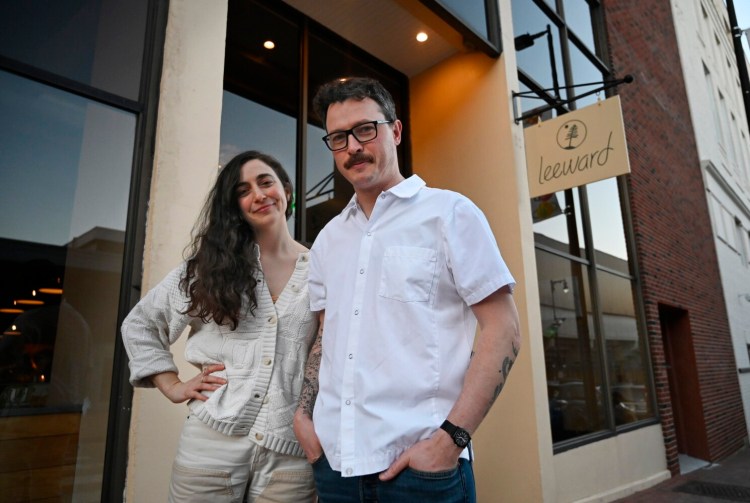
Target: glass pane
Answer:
[[628, 370], [557, 222], [95, 42], [570, 348], [607, 224], [584, 72], [578, 19], [536, 52], [257, 70], [65, 165], [471, 12], [246, 125]]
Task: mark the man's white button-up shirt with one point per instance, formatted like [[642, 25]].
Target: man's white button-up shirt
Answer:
[[398, 333]]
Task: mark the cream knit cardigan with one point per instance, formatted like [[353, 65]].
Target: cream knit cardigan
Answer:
[[264, 357]]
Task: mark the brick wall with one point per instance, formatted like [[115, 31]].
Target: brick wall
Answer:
[[674, 241]]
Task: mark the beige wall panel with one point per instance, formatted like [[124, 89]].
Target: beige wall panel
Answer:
[[613, 468], [187, 150]]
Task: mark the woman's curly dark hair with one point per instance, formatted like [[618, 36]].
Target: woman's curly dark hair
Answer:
[[220, 273]]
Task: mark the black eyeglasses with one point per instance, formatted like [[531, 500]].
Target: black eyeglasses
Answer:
[[368, 131]]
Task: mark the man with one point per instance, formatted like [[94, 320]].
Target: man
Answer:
[[402, 276]]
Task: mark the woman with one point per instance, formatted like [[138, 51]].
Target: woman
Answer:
[[243, 293]]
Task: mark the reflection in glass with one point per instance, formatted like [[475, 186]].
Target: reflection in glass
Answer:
[[472, 12], [584, 72], [94, 42], [628, 373], [578, 19], [534, 60], [607, 225], [570, 349], [65, 165], [557, 222], [246, 125]]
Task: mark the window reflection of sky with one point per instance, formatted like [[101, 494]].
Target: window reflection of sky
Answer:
[[535, 60], [606, 219], [65, 163]]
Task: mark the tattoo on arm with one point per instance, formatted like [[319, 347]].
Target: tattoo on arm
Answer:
[[310, 384], [504, 371]]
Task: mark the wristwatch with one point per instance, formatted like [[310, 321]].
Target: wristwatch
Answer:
[[460, 436]]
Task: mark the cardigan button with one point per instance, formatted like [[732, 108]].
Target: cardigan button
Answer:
[[267, 361], [258, 436]]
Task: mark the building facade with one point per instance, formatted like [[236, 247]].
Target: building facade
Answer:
[[111, 143], [718, 115]]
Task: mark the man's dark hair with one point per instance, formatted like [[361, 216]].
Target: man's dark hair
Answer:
[[222, 265], [358, 88]]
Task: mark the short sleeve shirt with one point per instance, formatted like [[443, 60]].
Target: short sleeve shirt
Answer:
[[397, 289]]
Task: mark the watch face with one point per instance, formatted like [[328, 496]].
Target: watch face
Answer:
[[461, 437]]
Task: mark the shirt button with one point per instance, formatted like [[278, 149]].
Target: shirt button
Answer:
[[356, 311], [348, 402], [348, 471], [361, 271], [258, 436], [351, 356], [369, 233], [382, 196]]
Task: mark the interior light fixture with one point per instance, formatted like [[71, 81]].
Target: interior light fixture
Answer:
[[51, 291], [28, 302], [11, 310], [422, 37], [268, 44]]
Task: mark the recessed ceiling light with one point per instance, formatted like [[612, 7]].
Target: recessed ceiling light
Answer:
[[422, 37], [268, 44]]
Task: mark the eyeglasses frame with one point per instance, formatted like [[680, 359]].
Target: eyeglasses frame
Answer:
[[350, 131]]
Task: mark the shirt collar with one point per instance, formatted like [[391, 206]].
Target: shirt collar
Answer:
[[403, 190]]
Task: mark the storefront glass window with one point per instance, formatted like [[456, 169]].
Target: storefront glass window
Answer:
[[94, 42], [587, 292], [536, 53], [472, 12], [578, 19], [570, 348], [65, 166]]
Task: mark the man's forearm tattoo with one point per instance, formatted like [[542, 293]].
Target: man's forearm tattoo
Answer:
[[310, 384], [504, 371]]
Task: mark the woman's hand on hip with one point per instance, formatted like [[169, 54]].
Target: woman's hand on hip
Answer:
[[178, 391]]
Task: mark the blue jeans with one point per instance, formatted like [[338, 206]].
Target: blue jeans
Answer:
[[410, 486]]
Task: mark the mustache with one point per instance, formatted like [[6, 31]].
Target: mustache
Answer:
[[357, 158]]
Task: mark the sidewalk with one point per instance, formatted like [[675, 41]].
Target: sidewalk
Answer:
[[727, 480]]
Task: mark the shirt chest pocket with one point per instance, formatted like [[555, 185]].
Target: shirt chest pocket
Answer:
[[408, 273]]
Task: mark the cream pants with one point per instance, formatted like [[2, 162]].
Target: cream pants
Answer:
[[216, 468]]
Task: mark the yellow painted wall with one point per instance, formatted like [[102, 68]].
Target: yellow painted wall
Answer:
[[186, 161], [464, 139]]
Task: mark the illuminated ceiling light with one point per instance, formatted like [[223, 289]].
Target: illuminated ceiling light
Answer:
[[11, 310], [268, 44], [11, 332], [422, 37], [28, 302], [51, 291]]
